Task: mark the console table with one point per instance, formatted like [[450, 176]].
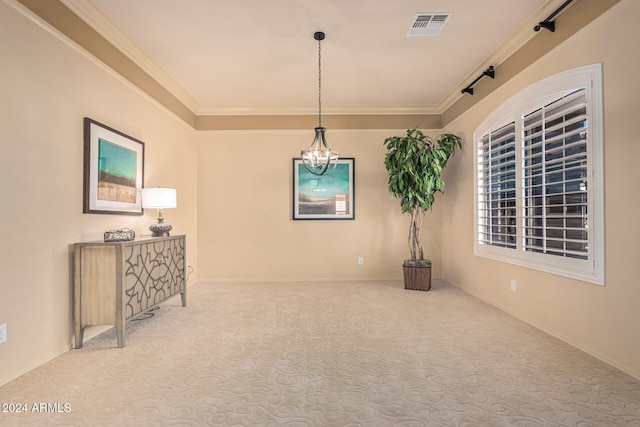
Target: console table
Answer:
[[117, 281]]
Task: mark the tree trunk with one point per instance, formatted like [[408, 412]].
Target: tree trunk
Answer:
[[412, 233], [415, 247]]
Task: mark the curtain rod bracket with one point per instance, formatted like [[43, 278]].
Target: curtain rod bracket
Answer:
[[548, 24], [489, 72]]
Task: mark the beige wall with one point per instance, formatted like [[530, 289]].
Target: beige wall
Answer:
[[246, 231], [235, 207], [47, 87], [601, 320]]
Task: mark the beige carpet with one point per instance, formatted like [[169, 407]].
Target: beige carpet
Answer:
[[326, 354]]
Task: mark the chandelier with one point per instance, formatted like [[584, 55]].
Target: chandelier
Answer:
[[318, 156]]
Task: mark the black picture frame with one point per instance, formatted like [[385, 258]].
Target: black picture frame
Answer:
[[326, 197], [113, 171]]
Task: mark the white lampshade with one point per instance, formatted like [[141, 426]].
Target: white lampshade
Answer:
[[159, 198]]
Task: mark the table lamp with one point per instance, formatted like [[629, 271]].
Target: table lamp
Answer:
[[159, 198]]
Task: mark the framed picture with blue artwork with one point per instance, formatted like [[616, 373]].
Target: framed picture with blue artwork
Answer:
[[328, 196], [113, 171]]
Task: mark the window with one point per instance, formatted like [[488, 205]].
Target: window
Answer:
[[539, 170]]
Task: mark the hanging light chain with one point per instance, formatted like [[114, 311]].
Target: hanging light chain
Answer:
[[317, 157], [319, 82]]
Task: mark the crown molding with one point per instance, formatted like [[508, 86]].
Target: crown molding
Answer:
[[573, 19], [344, 111], [74, 19], [90, 14], [511, 45]]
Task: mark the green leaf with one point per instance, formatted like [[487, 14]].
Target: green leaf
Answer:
[[415, 163]]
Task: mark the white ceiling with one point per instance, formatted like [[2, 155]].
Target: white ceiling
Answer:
[[259, 56]]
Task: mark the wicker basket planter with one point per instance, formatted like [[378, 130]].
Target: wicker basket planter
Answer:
[[417, 275]]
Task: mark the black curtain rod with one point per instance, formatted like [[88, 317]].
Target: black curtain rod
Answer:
[[488, 72], [548, 24]]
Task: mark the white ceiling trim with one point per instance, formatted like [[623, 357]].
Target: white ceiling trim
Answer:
[[314, 112], [90, 14], [513, 43]]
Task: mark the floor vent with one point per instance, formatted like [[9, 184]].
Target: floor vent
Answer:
[[428, 24]]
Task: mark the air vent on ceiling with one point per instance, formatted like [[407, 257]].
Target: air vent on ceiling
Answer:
[[428, 24]]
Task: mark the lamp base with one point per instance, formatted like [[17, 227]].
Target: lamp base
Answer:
[[160, 230]]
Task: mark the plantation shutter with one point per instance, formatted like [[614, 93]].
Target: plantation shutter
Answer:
[[539, 169], [497, 187], [555, 178]]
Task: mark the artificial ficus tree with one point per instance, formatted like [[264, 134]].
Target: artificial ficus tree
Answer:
[[415, 163]]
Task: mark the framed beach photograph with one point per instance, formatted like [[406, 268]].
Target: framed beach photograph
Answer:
[[328, 196], [113, 171]]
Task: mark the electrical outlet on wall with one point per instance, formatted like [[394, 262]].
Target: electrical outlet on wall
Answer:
[[513, 285], [3, 333], [360, 260]]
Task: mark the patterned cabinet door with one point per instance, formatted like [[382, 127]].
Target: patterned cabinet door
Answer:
[[175, 263], [153, 271]]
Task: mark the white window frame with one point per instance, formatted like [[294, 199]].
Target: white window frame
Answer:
[[540, 94]]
